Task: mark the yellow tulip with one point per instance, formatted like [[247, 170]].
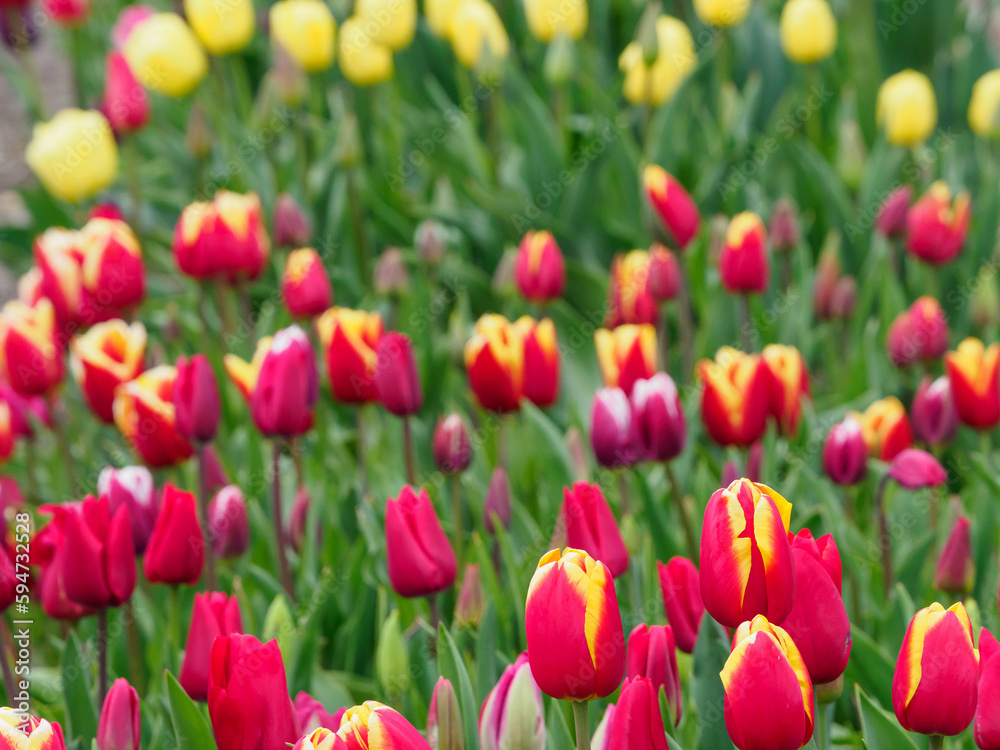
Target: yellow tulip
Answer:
[[984, 107], [722, 13], [165, 56], [906, 108], [477, 31], [548, 19], [74, 155], [808, 30], [439, 15], [306, 30], [223, 27], [676, 58], [389, 22], [363, 61]]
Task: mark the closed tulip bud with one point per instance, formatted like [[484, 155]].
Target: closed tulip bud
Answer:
[[74, 155], [845, 453], [478, 37], [176, 551], [784, 226], [549, 19], [741, 580], [664, 274], [590, 526], [891, 217], [431, 237], [113, 275], [305, 286], [306, 30], [768, 701], [653, 76], [228, 527], [350, 338], [906, 108], [392, 660], [808, 30], [984, 104], [379, 725], [744, 264], [932, 412], [736, 398], [611, 432], [131, 486], [100, 568], [248, 695], [503, 277], [30, 732], [722, 13], [213, 615], [299, 518], [934, 685], [845, 298], [652, 654], [452, 450], [974, 373], [224, 238], [886, 428], [626, 354], [363, 60], [677, 213], [165, 55], [125, 103], [986, 728], [494, 363], [471, 599], [629, 300], [956, 569], [576, 646], [396, 377], [513, 715], [444, 718], [48, 550], [119, 727], [391, 276], [145, 414], [291, 225], [681, 590], [541, 360], [602, 735], [313, 715], [222, 29], [852, 153], [386, 22], [789, 384], [540, 271], [637, 723], [420, 559], [658, 424], [916, 469], [196, 399], [497, 501], [937, 225], [105, 357], [828, 273]]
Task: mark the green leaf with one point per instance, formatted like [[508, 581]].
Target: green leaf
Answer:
[[878, 727], [870, 665], [190, 727], [710, 656], [451, 666], [80, 713]]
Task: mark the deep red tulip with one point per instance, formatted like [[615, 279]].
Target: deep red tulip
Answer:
[[119, 727], [126, 103], [228, 526], [540, 271], [936, 225], [419, 556], [915, 469], [891, 217], [681, 589], [298, 519], [48, 551], [845, 453], [350, 338], [590, 526], [611, 433], [658, 424], [677, 212], [986, 728], [212, 615], [397, 380], [828, 274], [176, 551], [744, 265], [652, 654], [100, 555], [956, 569], [452, 450], [637, 723], [664, 274], [932, 413], [196, 399], [305, 286]]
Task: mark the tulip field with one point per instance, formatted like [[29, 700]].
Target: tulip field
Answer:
[[500, 375]]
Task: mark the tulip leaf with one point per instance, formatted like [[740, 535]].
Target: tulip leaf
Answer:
[[190, 727], [80, 713], [451, 666], [870, 666], [878, 727], [710, 656]]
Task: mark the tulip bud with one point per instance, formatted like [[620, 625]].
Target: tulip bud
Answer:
[[291, 225], [663, 275], [611, 430], [176, 551], [765, 585], [934, 684], [852, 153], [452, 450], [652, 654], [471, 599], [827, 275], [845, 453], [626, 354], [279, 625], [126, 103], [431, 241], [305, 287], [986, 728], [478, 37], [886, 428], [165, 55], [363, 60], [349, 340], [513, 715], [721, 13], [677, 212], [906, 108], [100, 554], [590, 526], [784, 227], [659, 60], [743, 264], [133, 487], [936, 226], [789, 384], [736, 398], [920, 333], [228, 527], [629, 299], [444, 718], [105, 357], [564, 641], [808, 30], [658, 425], [891, 217], [215, 474], [681, 589], [932, 413], [497, 501], [306, 30], [67, 12], [494, 363], [74, 154], [396, 377], [540, 271], [845, 298], [984, 104], [974, 373], [420, 559], [222, 29], [213, 615], [956, 569], [118, 728], [298, 519], [637, 723], [915, 469], [984, 306], [313, 715], [392, 660], [391, 276], [196, 399], [768, 694]]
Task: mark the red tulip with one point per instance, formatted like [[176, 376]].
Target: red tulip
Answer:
[[891, 217], [213, 615], [744, 264], [145, 414], [590, 526], [678, 214], [228, 526], [126, 103], [494, 363], [915, 469], [349, 340], [540, 270], [176, 551], [611, 431], [541, 360], [658, 424], [936, 226], [956, 569], [57, 275], [789, 383], [119, 727], [8, 581], [291, 225], [736, 399], [132, 487], [48, 551], [637, 723], [664, 274], [919, 333], [974, 372], [224, 238], [626, 354], [932, 413], [298, 519], [67, 12], [30, 355], [305, 287], [681, 589], [886, 428], [113, 272], [452, 450], [420, 559], [845, 453], [100, 555], [629, 298], [652, 654], [986, 728], [397, 380], [108, 355], [196, 399]]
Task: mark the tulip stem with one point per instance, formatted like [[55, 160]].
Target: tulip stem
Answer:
[[102, 655], [174, 624], [362, 466], [456, 513], [582, 725], [623, 491], [134, 647], [279, 528], [884, 540], [686, 326], [64, 449], [824, 714], [6, 643], [358, 226], [209, 539], [746, 324], [411, 471], [936, 742], [689, 537]]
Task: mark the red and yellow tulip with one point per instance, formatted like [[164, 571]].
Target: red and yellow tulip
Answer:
[[494, 363], [144, 413], [886, 428], [305, 287], [113, 273], [789, 384], [370, 726], [626, 354], [540, 271], [736, 399], [936, 225], [541, 360], [58, 277], [349, 338], [30, 355], [629, 300], [974, 372], [744, 264], [33, 734], [676, 211], [105, 357], [223, 238]]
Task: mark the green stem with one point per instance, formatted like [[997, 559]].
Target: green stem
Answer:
[[936, 742], [209, 541], [686, 326], [174, 623], [102, 655], [884, 539], [582, 725], [689, 537], [623, 491], [134, 640], [67, 455], [358, 226], [411, 470], [824, 723], [456, 514], [279, 528], [746, 326]]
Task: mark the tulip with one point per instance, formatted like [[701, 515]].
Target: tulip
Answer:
[[497, 501], [936, 226], [392, 278], [306, 31], [305, 287], [934, 684], [213, 615], [746, 560], [363, 60], [540, 271], [629, 300], [494, 363], [681, 590], [471, 599], [28, 733], [590, 526], [67, 12], [512, 715], [24, 411], [74, 154], [452, 450], [676, 211], [986, 728], [100, 567], [844, 298], [932, 412], [419, 557], [118, 728], [915, 469], [248, 695], [389, 23], [956, 569], [6, 431], [541, 360], [165, 55], [611, 431], [886, 428], [312, 714], [654, 82], [637, 723], [48, 550], [477, 34], [56, 275], [652, 654], [974, 373], [396, 377], [113, 275], [370, 726], [808, 30], [444, 718], [30, 359], [743, 264], [789, 381], [125, 103], [576, 646], [891, 217], [626, 354], [349, 340], [845, 452], [196, 399], [721, 13], [105, 357], [984, 103], [222, 238], [145, 414], [222, 29], [131, 486], [920, 333], [658, 425], [768, 701], [290, 224], [228, 527], [736, 399], [128, 19], [906, 108], [280, 383], [783, 228], [663, 274], [176, 551], [549, 19]]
